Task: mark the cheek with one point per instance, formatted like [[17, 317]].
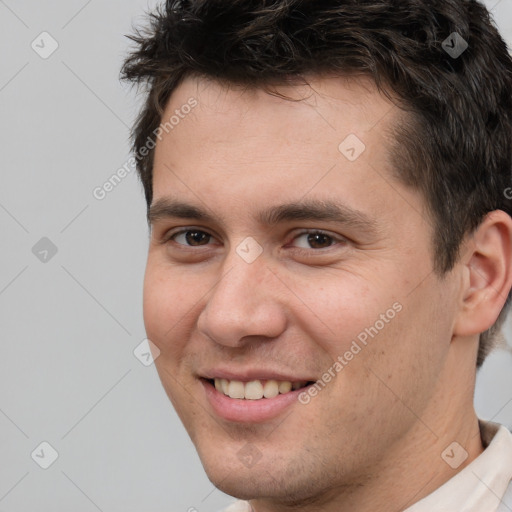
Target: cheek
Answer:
[[168, 305], [378, 328], [340, 308], [405, 358]]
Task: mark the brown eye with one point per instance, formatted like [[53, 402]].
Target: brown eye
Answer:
[[319, 240], [314, 240], [192, 237]]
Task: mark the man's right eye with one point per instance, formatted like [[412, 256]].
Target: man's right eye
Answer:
[[191, 237]]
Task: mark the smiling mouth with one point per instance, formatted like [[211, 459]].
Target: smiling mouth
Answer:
[[256, 389]]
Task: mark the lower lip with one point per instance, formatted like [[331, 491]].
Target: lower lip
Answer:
[[244, 410]]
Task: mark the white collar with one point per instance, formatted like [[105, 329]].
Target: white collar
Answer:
[[481, 485]]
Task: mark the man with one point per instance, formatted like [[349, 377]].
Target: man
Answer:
[[331, 246]]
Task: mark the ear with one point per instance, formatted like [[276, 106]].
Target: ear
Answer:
[[487, 274]]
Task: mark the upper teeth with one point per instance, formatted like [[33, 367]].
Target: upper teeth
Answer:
[[255, 389]]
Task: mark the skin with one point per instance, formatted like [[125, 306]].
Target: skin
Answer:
[[372, 439]]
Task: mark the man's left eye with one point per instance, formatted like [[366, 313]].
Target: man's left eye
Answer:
[[314, 240]]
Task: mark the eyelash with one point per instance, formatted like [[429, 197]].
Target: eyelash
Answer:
[[335, 239]]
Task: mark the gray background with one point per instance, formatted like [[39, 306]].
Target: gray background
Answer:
[[70, 323]]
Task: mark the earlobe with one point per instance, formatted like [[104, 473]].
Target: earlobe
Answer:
[[487, 277]]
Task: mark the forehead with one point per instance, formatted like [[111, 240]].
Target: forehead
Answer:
[[325, 140], [339, 102]]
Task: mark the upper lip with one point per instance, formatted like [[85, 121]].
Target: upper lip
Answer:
[[248, 374]]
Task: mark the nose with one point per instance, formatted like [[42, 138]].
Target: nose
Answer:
[[243, 305]]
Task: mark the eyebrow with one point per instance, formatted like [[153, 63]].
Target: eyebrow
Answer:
[[311, 210], [168, 208]]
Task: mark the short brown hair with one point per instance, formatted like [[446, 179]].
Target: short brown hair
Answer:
[[455, 144]]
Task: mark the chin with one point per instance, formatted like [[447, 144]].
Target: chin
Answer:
[[228, 474], [249, 485]]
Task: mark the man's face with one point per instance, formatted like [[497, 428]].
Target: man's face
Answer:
[[270, 284]]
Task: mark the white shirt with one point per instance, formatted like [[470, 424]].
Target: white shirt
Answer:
[[484, 485]]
